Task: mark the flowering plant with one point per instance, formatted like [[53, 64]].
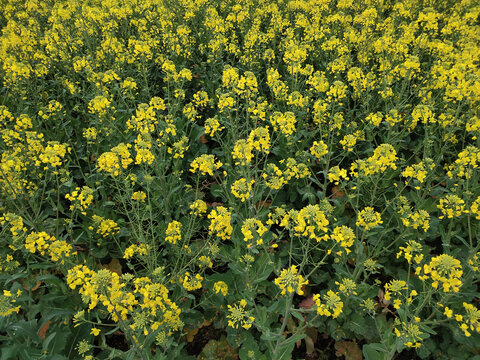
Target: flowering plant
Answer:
[[285, 179]]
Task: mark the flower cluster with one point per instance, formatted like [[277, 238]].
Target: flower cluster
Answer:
[[7, 303], [241, 189], [115, 160], [191, 283], [220, 287], [238, 316], [104, 227], [198, 207], [444, 270], [144, 302], [135, 250], [205, 164], [155, 152], [220, 223], [330, 304], [81, 199], [309, 222], [368, 218], [173, 232], [44, 243], [289, 281], [252, 230]]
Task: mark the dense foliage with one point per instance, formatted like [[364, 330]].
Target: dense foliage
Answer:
[[288, 178]]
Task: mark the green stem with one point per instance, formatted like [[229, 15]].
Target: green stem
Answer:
[[284, 323]]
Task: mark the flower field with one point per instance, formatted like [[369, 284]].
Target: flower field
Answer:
[[251, 179]]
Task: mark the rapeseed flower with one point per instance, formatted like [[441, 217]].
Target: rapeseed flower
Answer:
[[290, 282], [368, 218], [332, 304], [238, 316]]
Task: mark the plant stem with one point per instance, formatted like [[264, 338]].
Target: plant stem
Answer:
[[284, 323]]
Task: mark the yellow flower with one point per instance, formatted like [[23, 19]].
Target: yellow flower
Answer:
[[451, 206], [418, 219], [475, 208], [179, 147], [335, 174], [344, 236], [205, 164], [332, 304], [142, 147], [220, 224], [466, 163], [139, 196], [192, 283], [81, 199], [394, 287], [220, 287], [397, 303], [90, 134], [16, 224], [375, 118], [419, 171], [448, 312], [368, 218], [294, 169], [230, 77], [225, 102], [253, 229], [237, 316], [115, 160], [319, 149], [173, 233], [289, 281], [212, 126], [259, 139], [410, 334], [99, 105], [95, 331], [241, 189], [42, 242], [53, 154], [105, 227], [348, 142], [242, 152], [285, 122], [310, 222], [384, 157], [347, 287], [204, 261], [474, 261], [6, 304], [471, 320], [447, 271], [134, 249], [408, 251], [198, 207]]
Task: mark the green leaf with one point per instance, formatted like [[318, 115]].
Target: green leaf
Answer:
[[10, 352], [58, 357], [56, 342], [264, 269], [270, 336], [27, 329], [284, 350], [218, 192], [374, 352], [237, 269], [298, 316], [357, 324]]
